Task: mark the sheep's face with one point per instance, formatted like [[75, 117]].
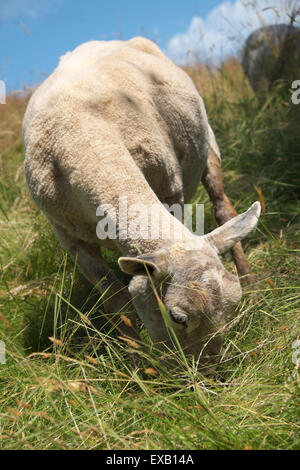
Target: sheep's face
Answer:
[[195, 288], [197, 293]]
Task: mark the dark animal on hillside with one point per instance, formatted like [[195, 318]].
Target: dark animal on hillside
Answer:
[[272, 53]]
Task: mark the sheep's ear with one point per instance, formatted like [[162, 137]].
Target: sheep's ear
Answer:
[[155, 263], [227, 235]]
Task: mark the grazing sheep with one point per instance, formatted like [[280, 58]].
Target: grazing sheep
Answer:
[[119, 119], [272, 53]]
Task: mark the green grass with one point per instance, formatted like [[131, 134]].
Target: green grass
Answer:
[[82, 391]]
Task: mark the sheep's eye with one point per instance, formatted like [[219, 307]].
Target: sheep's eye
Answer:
[[179, 318]]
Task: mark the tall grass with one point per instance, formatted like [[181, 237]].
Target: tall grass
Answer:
[[79, 390]]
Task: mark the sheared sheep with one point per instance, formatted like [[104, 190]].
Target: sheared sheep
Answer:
[[119, 119]]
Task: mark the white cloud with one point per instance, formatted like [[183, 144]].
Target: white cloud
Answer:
[[18, 9], [225, 29]]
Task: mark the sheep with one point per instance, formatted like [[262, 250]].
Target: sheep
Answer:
[[271, 53], [119, 119]]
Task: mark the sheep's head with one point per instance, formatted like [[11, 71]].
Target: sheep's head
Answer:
[[197, 291]]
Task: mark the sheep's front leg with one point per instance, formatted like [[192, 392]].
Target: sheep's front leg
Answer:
[[213, 182], [115, 296]]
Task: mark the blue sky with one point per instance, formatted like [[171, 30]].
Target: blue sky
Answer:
[[35, 33]]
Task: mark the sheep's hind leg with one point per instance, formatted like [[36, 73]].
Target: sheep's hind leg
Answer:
[[213, 183], [115, 297]]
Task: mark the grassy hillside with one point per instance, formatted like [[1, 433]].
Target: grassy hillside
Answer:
[[79, 390]]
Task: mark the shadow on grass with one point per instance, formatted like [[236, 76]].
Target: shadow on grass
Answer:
[[72, 313]]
